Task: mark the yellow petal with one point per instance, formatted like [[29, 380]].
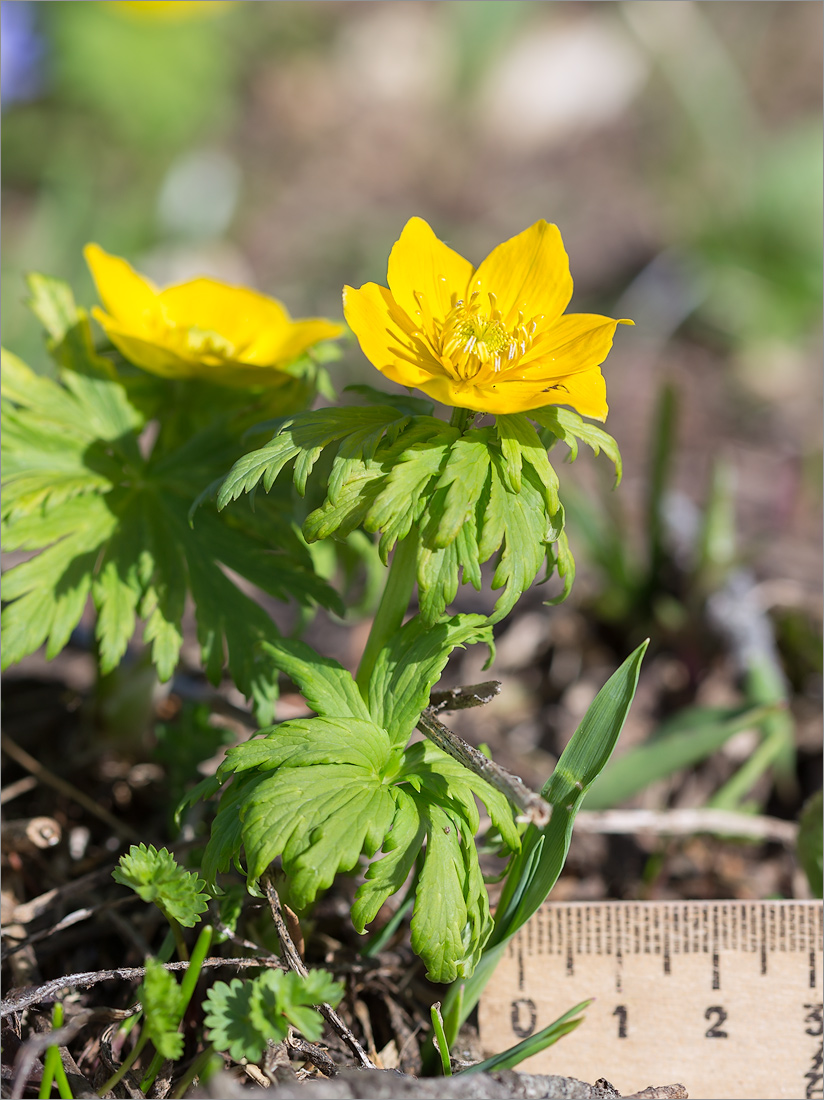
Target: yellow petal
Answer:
[[575, 342], [585, 392], [300, 336], [528, 273], [420, 263], [237, 313], [383, 333], [129, 298], [151, 356]]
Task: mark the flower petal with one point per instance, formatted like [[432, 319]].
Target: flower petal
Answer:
[[146, 353], [528, 273], [300, 336], [237, 313], [421, 263], [575, 342], [129, 298], [585, 392], [383, 332]]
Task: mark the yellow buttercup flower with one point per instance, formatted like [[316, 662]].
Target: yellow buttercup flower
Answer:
[[168, 11], [201, 329], [495, 338]]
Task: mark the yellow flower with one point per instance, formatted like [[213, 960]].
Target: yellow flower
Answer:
[[493, 339], [201, 329], [168, 11]]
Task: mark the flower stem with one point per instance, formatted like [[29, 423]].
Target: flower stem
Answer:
[[461, 419], [393, 606]]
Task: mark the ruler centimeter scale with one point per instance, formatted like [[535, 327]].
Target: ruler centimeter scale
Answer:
[[724, 997]]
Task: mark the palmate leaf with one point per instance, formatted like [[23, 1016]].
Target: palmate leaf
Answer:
[[111, 523], [155, 876], [243, 1016], [322, 792], [472, 496], [407, 668]]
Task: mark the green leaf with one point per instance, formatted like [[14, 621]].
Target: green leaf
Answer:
[[161, 998], [408, 667], [227, 1015], [533, 1044], [560, 559], [243, 1016], [810, 845], [279, 996], [302, 438], [403, 402], [325, 685], [569, 427], [688, 738], [385, 876], [47, 594], [403, 492], [436, 802], [521, 520], [464, 477], [156, 877], [112, 523], [535, 869], [318, 799]]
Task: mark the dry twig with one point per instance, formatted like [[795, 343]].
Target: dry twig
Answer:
[[295, 962]]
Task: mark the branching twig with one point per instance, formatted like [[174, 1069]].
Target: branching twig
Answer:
[[462, 698], [533, 808], [19, 999], [295, 962], [686, 822]]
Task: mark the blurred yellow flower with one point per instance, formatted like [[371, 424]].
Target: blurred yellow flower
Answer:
[[493, 339], [168, 11], [201, 329]]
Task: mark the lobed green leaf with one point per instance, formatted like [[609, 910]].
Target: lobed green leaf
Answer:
[[155, 876]]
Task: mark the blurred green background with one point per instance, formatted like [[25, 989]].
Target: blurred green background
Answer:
[[284, 144]]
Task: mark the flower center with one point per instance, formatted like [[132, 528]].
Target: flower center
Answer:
[[471, 340], [206, 343]]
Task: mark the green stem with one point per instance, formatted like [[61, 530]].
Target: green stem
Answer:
[[443, 1046], [187, 988], [462, 418], [53, 1065], [393, 606]]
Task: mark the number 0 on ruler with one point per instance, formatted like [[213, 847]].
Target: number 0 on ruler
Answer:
[[723, 997]]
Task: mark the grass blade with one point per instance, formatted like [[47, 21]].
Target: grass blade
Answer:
[[530, 879], [533, 1044]]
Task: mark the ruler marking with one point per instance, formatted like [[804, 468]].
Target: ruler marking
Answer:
[[812, 970], [667, 956], [570, 960], [520, 968], [764, 940], [599, 932], [783, 934], [716, 959]]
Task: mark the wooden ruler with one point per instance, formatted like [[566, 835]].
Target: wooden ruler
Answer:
[[723, 997]]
